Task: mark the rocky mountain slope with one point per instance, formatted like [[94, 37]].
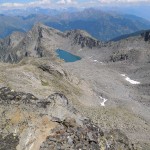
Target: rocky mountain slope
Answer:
[[48, 120], [45, 103], [42, 41], [119, 73], [133, 49], [128, 35]]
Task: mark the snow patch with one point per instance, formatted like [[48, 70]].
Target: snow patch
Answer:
[[80, 50], [123, 75], [104, 100], [130, 80], [95, 60]]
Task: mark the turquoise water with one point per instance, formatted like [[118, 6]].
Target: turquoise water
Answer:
[[66, 56]]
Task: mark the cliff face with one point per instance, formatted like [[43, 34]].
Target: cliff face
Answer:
[[82, 38]]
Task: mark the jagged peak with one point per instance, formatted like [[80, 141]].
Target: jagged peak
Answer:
[[15, 34], [39, 25], [78, 32], [14, 38], [145, 34], [42, 26], [83, 38]]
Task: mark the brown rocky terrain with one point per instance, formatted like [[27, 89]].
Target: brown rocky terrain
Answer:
[[30, 123]]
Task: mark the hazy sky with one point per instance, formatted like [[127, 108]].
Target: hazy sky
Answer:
[[136, 7], [65, 3]]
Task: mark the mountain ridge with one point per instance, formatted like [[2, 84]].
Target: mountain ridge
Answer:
[[42, 41], [92, 20], [130, 35]]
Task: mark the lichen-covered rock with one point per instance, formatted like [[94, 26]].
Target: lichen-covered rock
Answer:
[[69, 135], [56, 71], [115, 139], [8, 96], [9, 142]]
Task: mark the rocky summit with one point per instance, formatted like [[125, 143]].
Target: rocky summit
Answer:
[[100, 102]]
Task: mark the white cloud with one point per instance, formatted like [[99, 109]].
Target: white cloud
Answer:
[[38, 3], [61, 2], [12, 5], [66, 2], [29, 4], [121, 1]]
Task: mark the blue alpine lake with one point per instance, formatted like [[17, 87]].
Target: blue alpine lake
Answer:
[[66, 56]]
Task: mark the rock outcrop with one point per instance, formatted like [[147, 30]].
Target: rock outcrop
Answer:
[[134, 49], [9, 142], [82, 38], [69, 135], [51, 123], [146, 35]]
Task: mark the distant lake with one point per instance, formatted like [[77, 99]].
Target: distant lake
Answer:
[[66, 56]]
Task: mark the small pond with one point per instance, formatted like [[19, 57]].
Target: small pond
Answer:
[[66, 56]]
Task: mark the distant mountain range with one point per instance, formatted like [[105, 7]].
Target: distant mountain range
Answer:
[[101, 25], [138, 33], [38, 10]]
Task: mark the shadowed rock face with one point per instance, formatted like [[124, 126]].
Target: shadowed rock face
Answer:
[[146, 36], [9, 142], [82, 38], [53, 71], [8, 96]]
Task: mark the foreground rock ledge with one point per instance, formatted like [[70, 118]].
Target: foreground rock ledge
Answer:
[[29, 123]]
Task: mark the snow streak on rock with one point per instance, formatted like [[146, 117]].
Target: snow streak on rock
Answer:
[[130, 80], [104, 100]]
